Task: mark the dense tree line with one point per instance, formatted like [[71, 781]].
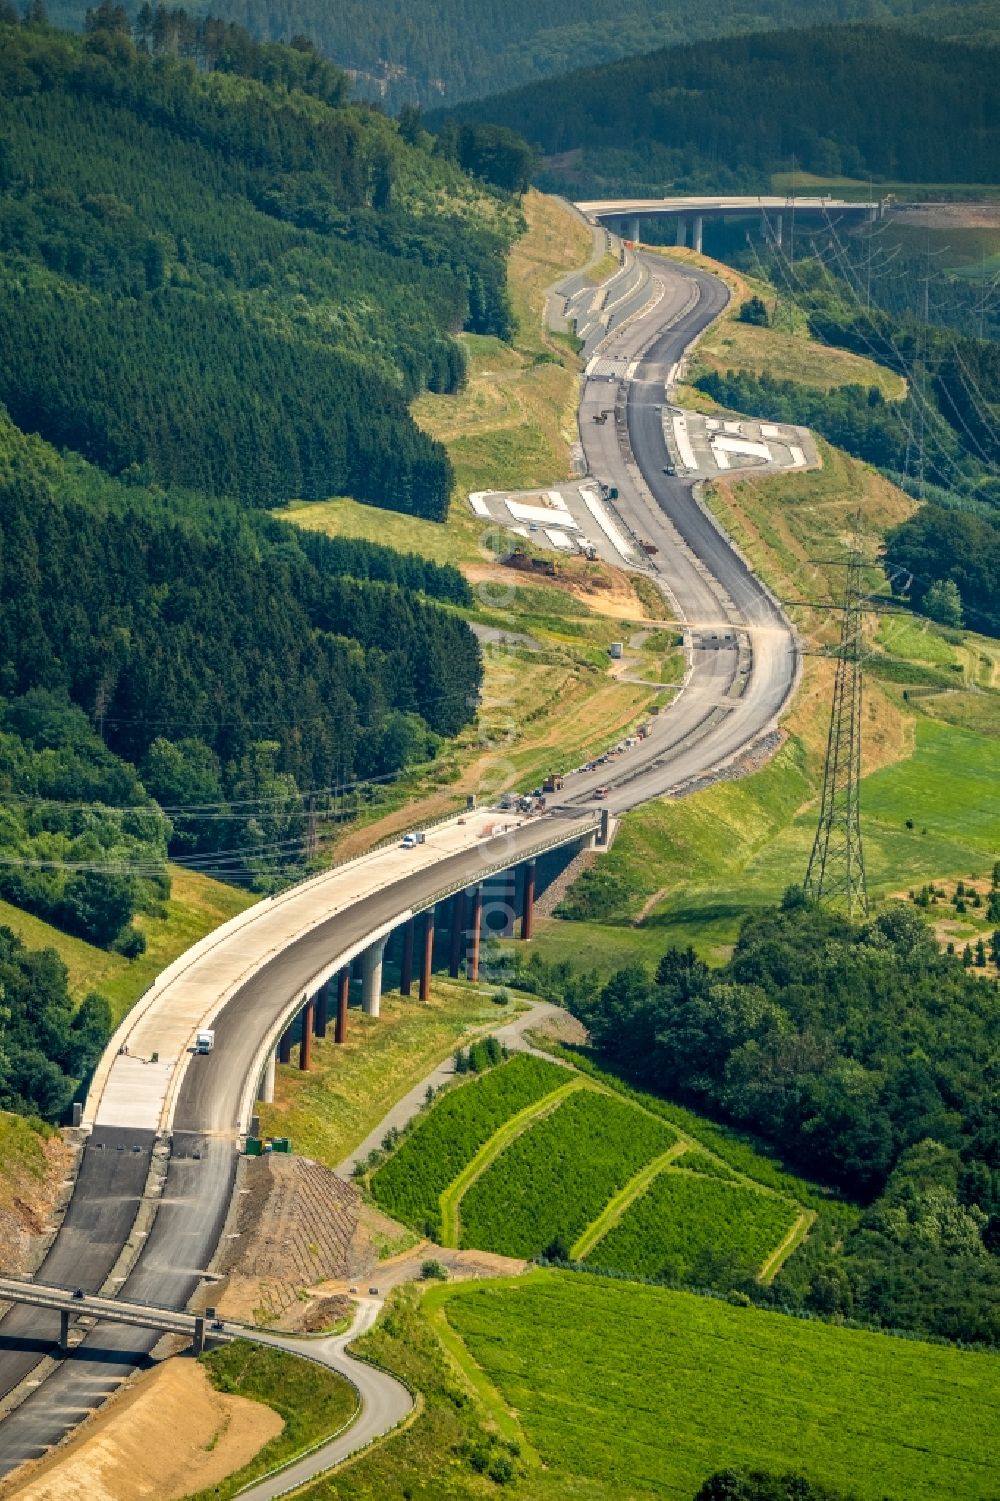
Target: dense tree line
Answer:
[[938, 545], [726, 114], [82, 845], [865, 1057], [235, 661], [424, 51], [758, 1485], [45, 1044], [218, 274]]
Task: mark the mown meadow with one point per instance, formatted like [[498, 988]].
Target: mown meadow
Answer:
[[686, 1386]]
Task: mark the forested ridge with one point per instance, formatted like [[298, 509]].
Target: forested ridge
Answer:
[[430, 51], [226, 283], [724, 115]]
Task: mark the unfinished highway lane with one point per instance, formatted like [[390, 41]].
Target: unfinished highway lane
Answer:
[[743, 653]]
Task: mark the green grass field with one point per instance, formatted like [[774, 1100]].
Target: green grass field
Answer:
[[686, 1226], [410, 1184], [553, 1180], [649, 1391]]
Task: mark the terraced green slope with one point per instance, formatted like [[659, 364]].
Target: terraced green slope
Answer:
[[410, 1184], [554, 1180], [689, 1228]]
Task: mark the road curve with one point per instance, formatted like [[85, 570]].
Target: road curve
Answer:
[[743, 651], [383, 1403], [743, 670]]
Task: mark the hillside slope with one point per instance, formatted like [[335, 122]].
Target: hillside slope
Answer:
[[725, 115], [440, 51], [232, 284]]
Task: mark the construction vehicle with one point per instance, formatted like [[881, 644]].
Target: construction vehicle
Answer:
[[601, 793], [552, 783], [649, 548], [204, 1041]]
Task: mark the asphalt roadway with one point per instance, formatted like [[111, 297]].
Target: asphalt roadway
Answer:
[[743, 671], [743, 652]]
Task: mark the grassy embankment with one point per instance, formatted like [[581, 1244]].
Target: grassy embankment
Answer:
[[351, 1087], [549, 701], [688, 871], [197, 905], [314, 1403]]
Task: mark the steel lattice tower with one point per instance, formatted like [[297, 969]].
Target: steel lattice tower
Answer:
[[836, 870]]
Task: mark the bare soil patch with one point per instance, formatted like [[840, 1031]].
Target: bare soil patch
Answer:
[[167, 1435], [294, 1229]]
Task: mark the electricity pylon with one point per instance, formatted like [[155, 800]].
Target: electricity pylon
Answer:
[[836, 870]]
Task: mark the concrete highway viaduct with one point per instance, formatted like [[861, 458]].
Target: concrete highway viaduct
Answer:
[[689, 215]]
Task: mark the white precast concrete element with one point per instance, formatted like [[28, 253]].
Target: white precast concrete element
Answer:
[[541, 515], [768, 430], [599, 514], [684, 443], [559, 540], [742, 445], [130, 1090], [477, 500], [798, 457], [557, 500], [371, 978], [266, 1092], [733, 427], [721, 458]]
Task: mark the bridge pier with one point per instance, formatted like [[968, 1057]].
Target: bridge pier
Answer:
[[343, 997], [508, 904], [528, 901], [477, 927], [285, 1046], [457, 932], [63, 1345], [198, 1343], [696, 233], [406, 969], [681, 234], [322, 1013], [633, 226], [427, 957], [266, 1091], [305, 1046], [778, 229], [371, 978]]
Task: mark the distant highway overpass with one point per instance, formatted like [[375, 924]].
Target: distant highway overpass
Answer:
[[688, 215]]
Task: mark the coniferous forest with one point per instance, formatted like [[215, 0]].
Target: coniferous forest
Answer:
[[218, 273], [221, 283], [440, 51], [725, 115]]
